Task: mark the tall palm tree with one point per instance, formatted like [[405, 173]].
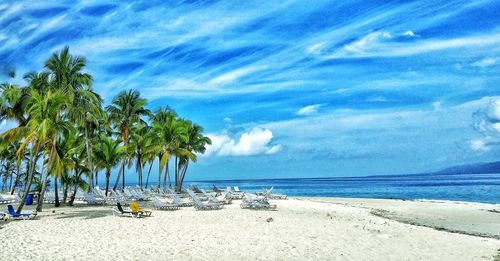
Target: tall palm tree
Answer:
[[170, 132], [196, 143], [109, 153], [140, 143], [125, 110], [85, 106], [41, 132]]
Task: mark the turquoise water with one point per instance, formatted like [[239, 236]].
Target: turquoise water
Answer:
[[463, 187]]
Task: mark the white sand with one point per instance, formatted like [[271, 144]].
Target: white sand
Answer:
[[301, 230]]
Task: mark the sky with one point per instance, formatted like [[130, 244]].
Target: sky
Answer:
[[289, 88]]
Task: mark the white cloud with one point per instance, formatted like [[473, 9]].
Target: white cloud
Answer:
[[308, 110], [367, 43], [235, 74], [479, 145], [486, 62], [377, 45], [316, 48], [494, 110], [409, 33], [253, 142]]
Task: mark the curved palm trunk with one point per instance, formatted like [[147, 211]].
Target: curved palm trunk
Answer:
[[29, 179], [118, 176], [183, 174], [56, 204], [45, 179], [89, 157], [149, 172], [176, 169]]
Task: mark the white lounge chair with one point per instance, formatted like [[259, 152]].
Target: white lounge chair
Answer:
[[199, 205]]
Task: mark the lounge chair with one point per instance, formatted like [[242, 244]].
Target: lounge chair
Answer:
[[158, 204], [177, 200], [237, 189], [213, 199], [16, 215], [92, 200], [136, 208], [233, 195], [7, 199], [252, 201], [269, 194], [119, 211], [199, 205], [49, 197]]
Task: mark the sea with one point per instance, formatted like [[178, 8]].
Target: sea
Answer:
[[457, 187]]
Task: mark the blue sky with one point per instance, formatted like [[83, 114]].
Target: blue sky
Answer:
[[290, 88]]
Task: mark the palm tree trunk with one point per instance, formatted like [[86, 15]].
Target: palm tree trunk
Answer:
[[123, 176], [165, 177], [176, 170], [56, 196], [72, 198], [29, 179], [89, 157], [13, 186], [183, 174], [96, 176], [149, 172], [118, 178], [45, 179], [108, 174], [65, 193], [159, 171]]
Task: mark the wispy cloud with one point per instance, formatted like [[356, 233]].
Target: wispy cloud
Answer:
[[308, 110]]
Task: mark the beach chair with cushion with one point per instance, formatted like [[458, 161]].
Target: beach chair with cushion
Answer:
[[16, 215], [160, 205], [199, 205], [118, 210], [134, 206]]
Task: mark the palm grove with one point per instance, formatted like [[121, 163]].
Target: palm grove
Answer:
[[65, 137]]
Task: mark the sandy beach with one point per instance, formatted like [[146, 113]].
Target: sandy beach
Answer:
[[301, 229]]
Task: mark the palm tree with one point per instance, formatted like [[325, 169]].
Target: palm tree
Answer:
[[170, 132], [126, 109], [140, 143], [41, 132], [85, 105], [109, 153], [196, 143]]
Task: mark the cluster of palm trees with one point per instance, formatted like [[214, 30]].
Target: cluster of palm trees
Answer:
[[63, 134]]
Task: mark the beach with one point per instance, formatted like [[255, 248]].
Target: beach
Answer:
[[300, 229]]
